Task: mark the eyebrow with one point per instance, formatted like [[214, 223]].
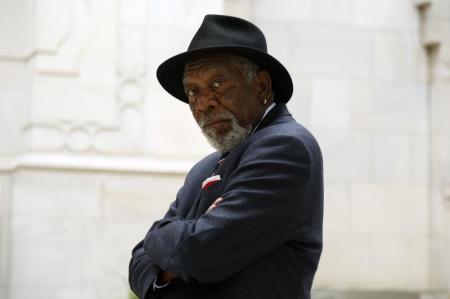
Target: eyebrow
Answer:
[[214, 75]]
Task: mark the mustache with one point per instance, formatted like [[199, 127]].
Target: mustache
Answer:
[[210, 117]]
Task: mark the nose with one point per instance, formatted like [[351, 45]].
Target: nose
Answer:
[[206, 100]]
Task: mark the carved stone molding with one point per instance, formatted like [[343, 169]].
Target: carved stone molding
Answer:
[[63, 56], [63, 31], [91, 163]]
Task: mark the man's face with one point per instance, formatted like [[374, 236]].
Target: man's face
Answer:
[[224, 101]]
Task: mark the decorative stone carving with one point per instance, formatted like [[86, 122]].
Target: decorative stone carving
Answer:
[[65, 53], [63, 32], [131, 92], [45, 136], [78, 139]]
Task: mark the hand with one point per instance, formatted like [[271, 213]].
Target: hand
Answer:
[[166, 276], [214, 204]]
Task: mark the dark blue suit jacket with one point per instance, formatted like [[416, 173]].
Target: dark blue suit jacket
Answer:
[[263, 241]]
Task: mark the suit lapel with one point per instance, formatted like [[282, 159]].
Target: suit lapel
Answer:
[[207, 196], [192, 212], [210, 193]]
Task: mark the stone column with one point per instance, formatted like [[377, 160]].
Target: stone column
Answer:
[[435, 25]]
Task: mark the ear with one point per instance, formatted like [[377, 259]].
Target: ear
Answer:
[[264, 85]]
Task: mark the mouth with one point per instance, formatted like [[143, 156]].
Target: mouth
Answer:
[[215, 123]]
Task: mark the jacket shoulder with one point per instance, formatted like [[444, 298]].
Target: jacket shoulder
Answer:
[[286, 129]]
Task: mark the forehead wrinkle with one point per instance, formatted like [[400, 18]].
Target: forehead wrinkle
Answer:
[[203, 65]]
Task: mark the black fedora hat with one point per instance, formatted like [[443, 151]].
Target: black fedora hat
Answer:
[[226, 34]]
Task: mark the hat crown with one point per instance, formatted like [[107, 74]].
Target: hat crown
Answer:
[[224, 31]]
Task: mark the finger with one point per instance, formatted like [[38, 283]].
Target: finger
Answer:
[[214, 204], [218, 200], [210, 208]]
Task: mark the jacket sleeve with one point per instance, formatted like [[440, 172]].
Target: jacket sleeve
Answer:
[[142, 271], [259, 213]]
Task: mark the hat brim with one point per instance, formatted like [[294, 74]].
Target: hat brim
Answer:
[[170, 72]]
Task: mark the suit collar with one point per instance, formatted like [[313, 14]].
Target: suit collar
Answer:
[[277, 114]]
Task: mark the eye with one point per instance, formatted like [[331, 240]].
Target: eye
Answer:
[[216, 84], [190, 92]]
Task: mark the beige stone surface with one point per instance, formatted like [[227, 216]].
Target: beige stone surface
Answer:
[[331, 50], [16, 29], [331, 103], [420, 163], [391, 63], [4, 230], [347, 254], [300, 107], [346, 155], [386, 14], [300, 11], [389, 104], [390, 209], [391, 157], [78, 229], [335, 12], [338, 208], [14, 105], [404, 260]]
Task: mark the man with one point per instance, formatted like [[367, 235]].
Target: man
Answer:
[[247, 223]]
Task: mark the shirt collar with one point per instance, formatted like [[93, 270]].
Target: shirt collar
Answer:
[[264, 115]]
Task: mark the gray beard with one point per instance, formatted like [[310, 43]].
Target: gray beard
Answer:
[[228, 141]]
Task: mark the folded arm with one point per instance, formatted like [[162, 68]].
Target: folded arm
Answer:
[[259, 213]]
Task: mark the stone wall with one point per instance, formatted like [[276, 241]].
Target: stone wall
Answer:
[[94, 150]]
